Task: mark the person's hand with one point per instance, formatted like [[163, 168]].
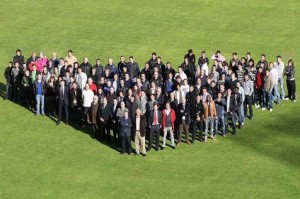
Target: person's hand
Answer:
[[101, 119]]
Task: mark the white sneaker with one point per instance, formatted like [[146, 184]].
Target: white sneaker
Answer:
[[257, 106], [294, 100], [271, 110], [242, 124], [263, 109], [286, 98]]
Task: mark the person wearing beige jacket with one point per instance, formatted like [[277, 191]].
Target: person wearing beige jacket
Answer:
[[209, 115]]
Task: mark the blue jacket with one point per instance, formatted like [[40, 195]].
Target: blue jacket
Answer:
[[125, 127], [220, 107]]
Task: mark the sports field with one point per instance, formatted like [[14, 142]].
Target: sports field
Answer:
[[40, 160]]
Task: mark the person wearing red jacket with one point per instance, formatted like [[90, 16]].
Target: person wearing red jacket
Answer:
[[168, 120], [258, 84]]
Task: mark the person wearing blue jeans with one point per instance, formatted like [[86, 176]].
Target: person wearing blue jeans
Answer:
[[39, 92], [267, 91], [279, 65], [230, 109], [220, 108]]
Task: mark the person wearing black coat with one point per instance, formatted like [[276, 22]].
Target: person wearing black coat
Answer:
[[230, 109], [8, 78], [76, 103], [86, 66], [125, 132], [114, 120], [104, 116], [154, 123], [197, 118], [63, 101], [19, 57], [184, 120]]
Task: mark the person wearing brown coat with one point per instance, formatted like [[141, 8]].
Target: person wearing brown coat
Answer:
[[209, 115], [94, 116]]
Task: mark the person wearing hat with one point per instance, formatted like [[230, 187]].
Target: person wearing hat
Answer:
[[125, 133]]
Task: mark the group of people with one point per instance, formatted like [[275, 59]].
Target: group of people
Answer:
[[122, 102]]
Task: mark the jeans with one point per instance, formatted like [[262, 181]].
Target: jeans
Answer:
[[166, 130], [39, 104], [240, 113], [7, 91], [209, 122], [248, 101], [280, 82], [276, 93], [268, 98], [230, 116], [220, 120]]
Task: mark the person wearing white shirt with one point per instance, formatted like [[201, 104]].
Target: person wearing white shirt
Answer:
[[274, 76], [279, 65], [185, 88], [81, 78], [87, 99]]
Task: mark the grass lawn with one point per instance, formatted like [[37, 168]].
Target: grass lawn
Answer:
[[40, 160]]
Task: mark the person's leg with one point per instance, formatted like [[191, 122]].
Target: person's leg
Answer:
[[288, 88], [249, 102], [265, 102], [293, 89], [157, 135], [216, 126], [123, 143], [277, 94], [281, 83], [206, 129], [233, 119], [165, 137], [194, 129], [151, 138], [211, 124], [222, 122], [6, 90], [172, 137], [137, 142], [143, 145], [270, 99], [180, 132], [128, 139], [186, 130], [42, 104], [38, 104]]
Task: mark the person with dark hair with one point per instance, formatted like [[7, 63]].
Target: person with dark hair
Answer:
[[27, 89], [259, 87], [196, 117], [39, 90], [248, 90], [114, 120], [267, 91], [153, 61], [184, 120], [168, 124], [234, 59], [122, 63], [220, 109], [191, 57], [279, 66], [125, 133], [289, 71], [189, 69], [209, 116], [63, 101], [8, 78], [249, 59], [263, 63], [154, 125], [76, 103], [218, 56], [99, 68], [94, 116], [16, 75], [147, 71], [230, 109], [133, 69], [104, 115], [70, 58], [18, 57]]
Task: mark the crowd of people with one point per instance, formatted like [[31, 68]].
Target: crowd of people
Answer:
[[201, 98]]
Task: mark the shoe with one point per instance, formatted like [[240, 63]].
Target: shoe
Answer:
[[143, 154], [250, 118], [294, 100], [173, 147], [67, 123], [205, 139], [192, 142], [148, 149], [234, 132], [224, 135], [188, 142], [57, 123], [263, 109], [162, 148], [178, 143], [156, 149], [286, 98], [271, 110], [129, 153], [242, 124]]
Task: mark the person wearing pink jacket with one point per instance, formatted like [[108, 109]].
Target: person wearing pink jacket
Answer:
[[41, 62]]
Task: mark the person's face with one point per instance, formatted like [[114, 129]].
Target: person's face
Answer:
[[263, 58], [27, 73], [62, 83], [168, 106], [115, 101], [278, 59], [111, 90], [122, 104], [95, 99], [131, 60], [74, 85], [170, 76], [85, 60], [126, 114], [90, 81], [105, 101], [168, 65], [33, 55], [267, 73], [191, 89], [153, 56], [203, 55], [110, 61], [87, 86], [18, 53], [122, 59], [143, 77], [45, 69], [229, 92], [54, 55], [70, 54], [98, 62]]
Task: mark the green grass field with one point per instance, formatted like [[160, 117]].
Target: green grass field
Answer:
[[40, 160]]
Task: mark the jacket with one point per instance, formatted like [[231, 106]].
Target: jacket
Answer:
[[164, 116], [151, 118], [143, 125], [183, 113], [35, 87], [125, 127], [212, 110], [93, 113]]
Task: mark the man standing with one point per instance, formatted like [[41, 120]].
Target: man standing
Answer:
[[154, 124], [63, 101], [230, 109], [209, 116], [140, 131], [70, 58], [18, 57], [267, 90], [87, 99], [133, 69], [104, 115], [248, 90], [8, 78], [168, 124], [220, 109], [279, 65], [184, 120], [126, 124], [39, 90]]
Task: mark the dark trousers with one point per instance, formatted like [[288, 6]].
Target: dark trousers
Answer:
[[184, 127], [62, 106], [155, 129], [126, 144], [114, 128], [7, 91], [95, 129], [104, 131], [232, 117], [260, 97], [291, 87], [197, 125], [248, 101], [76, 114], [16, 93], [85, 114]]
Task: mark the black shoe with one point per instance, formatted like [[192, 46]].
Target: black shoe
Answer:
[[162, 148], [173, 147], [57, 123], [156, 149], [143, 154], [192, 142], [148, 149], [122, 153], [250, 118]]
